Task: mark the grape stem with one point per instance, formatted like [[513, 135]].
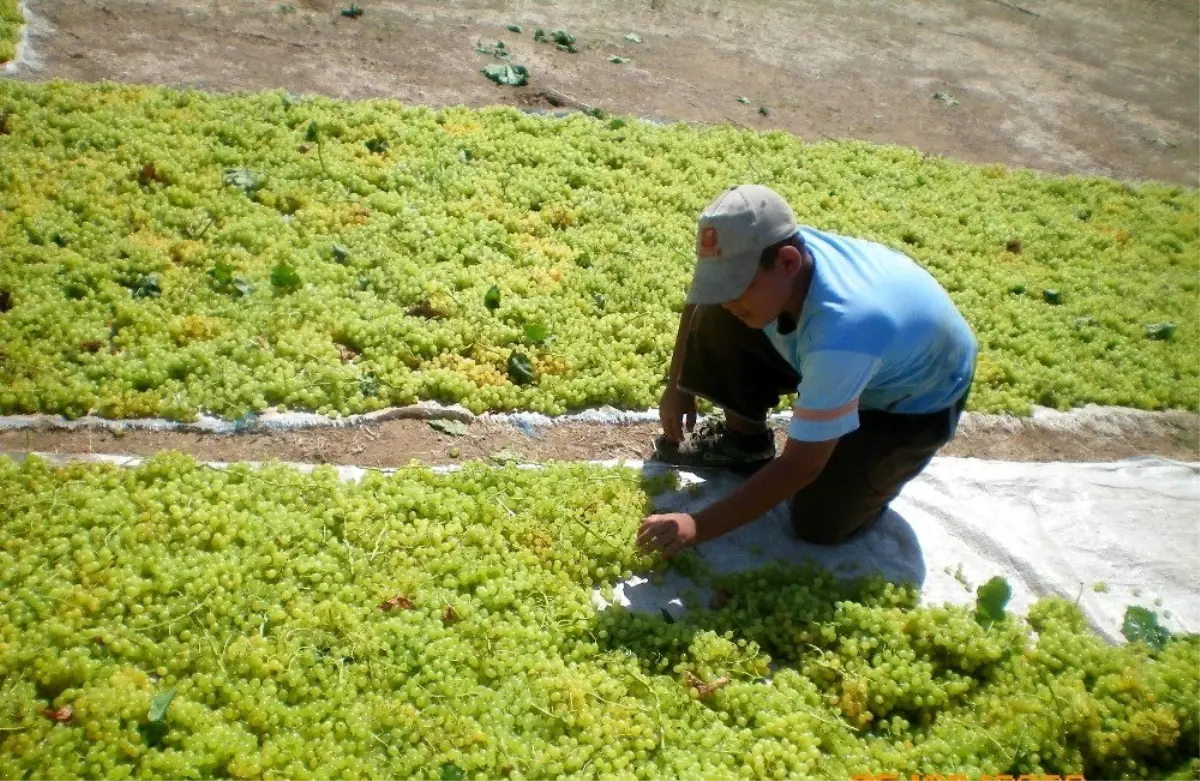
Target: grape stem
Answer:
[[539, 708], [202, 603], [662, 738], [321, 156], [375, 549], [192, 233]]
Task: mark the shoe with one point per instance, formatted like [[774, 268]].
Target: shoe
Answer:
[[713, 446]]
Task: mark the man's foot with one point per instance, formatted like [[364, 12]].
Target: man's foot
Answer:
[[713, 446]]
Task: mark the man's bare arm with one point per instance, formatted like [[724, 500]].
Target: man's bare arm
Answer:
[[796, 467]]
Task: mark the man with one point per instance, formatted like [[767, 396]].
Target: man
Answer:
[[879, 355]]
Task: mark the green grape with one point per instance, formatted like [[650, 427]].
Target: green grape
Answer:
[[134, 301], [491, 659]]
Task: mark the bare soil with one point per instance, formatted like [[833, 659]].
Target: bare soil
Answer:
[[1107, 87], [393, 443]]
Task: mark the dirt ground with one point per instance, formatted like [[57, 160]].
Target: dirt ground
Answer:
[[1109, 87], [396, 442], [1106, 87]]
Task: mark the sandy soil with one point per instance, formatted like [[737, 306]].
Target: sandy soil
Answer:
[[1079, 86], [394, 443]]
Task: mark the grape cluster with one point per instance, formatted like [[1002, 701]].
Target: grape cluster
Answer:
[[11, 20], [441, 626], [171, 252]]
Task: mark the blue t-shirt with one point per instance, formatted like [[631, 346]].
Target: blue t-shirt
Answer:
[[876, 332]]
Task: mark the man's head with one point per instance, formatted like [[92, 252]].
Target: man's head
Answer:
[[747, 254]]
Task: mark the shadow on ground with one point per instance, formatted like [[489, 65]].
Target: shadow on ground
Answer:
[[889, 548]]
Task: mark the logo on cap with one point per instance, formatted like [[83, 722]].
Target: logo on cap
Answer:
[[708, 243]]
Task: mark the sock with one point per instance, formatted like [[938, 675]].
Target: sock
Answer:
[[753, 441]]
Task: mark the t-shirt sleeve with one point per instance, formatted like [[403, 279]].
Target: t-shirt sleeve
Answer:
[[827, 405]]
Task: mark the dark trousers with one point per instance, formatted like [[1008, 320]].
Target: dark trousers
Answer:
[[738, 369]]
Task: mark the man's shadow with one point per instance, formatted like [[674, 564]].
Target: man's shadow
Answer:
[[889, 547]]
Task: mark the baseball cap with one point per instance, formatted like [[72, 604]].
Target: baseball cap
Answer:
[[732, 233]]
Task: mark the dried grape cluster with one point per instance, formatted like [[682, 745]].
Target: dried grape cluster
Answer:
[[171, 252], [174, 620]]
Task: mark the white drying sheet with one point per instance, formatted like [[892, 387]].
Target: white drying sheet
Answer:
[[1058, 528]]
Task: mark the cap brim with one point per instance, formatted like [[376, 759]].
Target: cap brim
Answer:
[[721, 281]]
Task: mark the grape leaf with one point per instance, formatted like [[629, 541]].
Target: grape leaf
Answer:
[[512, 75], [1142, 625], [222, 275], [377, 145], [146, 287], [492, 298], [224, 281], [60, 715], [353, 12], [368, 385], [1054, 297], [159, 705], [245, 179], [340, 254], [451, 772], [618, 60], [705, 689], [990, 600], [666, 614], [743, 99], [398, 601], [561, 37], [1161, 331], [148, 174], [633, 37], [284, 277], [495, 48], [514, 28], [536, 333], [455, 428], [520, 370]]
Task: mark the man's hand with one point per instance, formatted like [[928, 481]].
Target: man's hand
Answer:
[[668, 534], [674, 409]]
